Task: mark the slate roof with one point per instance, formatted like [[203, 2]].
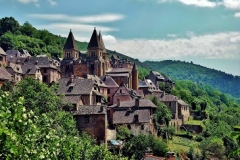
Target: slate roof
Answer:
[[158, 75], [146, 103], [70, 43], [168, 98], [90, 110], [135, 67], [13, 53], [17, 68], [41, 62], [182, 102], [71, 99], [96, 80], [118, 70], [130, 91], [109, 82], [94, 41], [102, 43], [79, 86], [2, 52], [4, 74], [29, 69], [127, 116]]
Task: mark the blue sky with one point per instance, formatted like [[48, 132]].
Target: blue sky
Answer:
[[206, 32]]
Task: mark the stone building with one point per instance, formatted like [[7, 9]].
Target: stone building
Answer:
[[157, 78], [79, 91], [3, 56], [123, 93], [112, 86], [96, 62], [92, 120], [135, 114], [180, 110], [149, 88], [4, 76]]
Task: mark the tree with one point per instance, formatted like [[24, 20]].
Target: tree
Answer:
[[8, 24], [162, 116]]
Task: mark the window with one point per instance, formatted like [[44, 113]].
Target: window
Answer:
[[108, 99], [120, 91], [135, 118], [45, 78], [108, 91], [93, 53], [86, 119], [70, 89], [142, 127], [45, 70], [169, 104]]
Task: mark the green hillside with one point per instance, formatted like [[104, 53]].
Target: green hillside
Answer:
[[179, 70], [16, 36]]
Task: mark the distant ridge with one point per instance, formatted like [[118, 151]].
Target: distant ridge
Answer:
[[180, 70]]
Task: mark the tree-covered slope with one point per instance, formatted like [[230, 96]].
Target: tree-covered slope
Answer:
[[222, 81], [16, 36]]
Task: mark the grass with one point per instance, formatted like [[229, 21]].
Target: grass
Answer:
[[180, 144]]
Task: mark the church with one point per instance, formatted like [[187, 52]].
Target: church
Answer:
[[96, 62]]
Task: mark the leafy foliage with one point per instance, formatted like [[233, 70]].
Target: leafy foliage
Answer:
[[16, 36], [30, 129], [179, 70]]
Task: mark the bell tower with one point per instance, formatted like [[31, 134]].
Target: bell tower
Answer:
[[70, 50]]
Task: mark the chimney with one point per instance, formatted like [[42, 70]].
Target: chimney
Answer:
[[163, 94], [36, 62], [71, 78], [118, 102], [8, 63], [136, 102]]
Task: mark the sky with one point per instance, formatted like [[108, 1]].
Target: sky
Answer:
[[206, 32]]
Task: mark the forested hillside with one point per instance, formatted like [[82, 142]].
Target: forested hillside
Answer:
[[16, 36], [179, 70]]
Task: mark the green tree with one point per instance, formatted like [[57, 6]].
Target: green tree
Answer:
[[8, 24]]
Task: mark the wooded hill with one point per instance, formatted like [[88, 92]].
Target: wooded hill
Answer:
[[179, 70]]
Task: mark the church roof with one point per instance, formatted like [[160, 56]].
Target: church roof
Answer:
[[70, 43], [94, 41], [135, 67], [101, 43]]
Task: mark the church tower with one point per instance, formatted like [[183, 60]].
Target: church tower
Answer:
[[96, 64], [70, 50], [105, 54], [135, 77], [70, 54]]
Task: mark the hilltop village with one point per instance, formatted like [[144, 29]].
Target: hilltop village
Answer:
[[104, 90]]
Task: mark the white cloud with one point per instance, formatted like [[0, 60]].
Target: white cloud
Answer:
[[27, 1], [212, 46], [232, 4], [237, 14], [199, 3], [82, 32], [52, 2], [80, 19]]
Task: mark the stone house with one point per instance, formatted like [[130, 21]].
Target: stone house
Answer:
[[135, 114], [92, 120], [3, 56], [97, 80], [157, 78], [112, 86], [4, 76], [22, 65], [123, 93], [180, 109], [15, 69], [149, 88]]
